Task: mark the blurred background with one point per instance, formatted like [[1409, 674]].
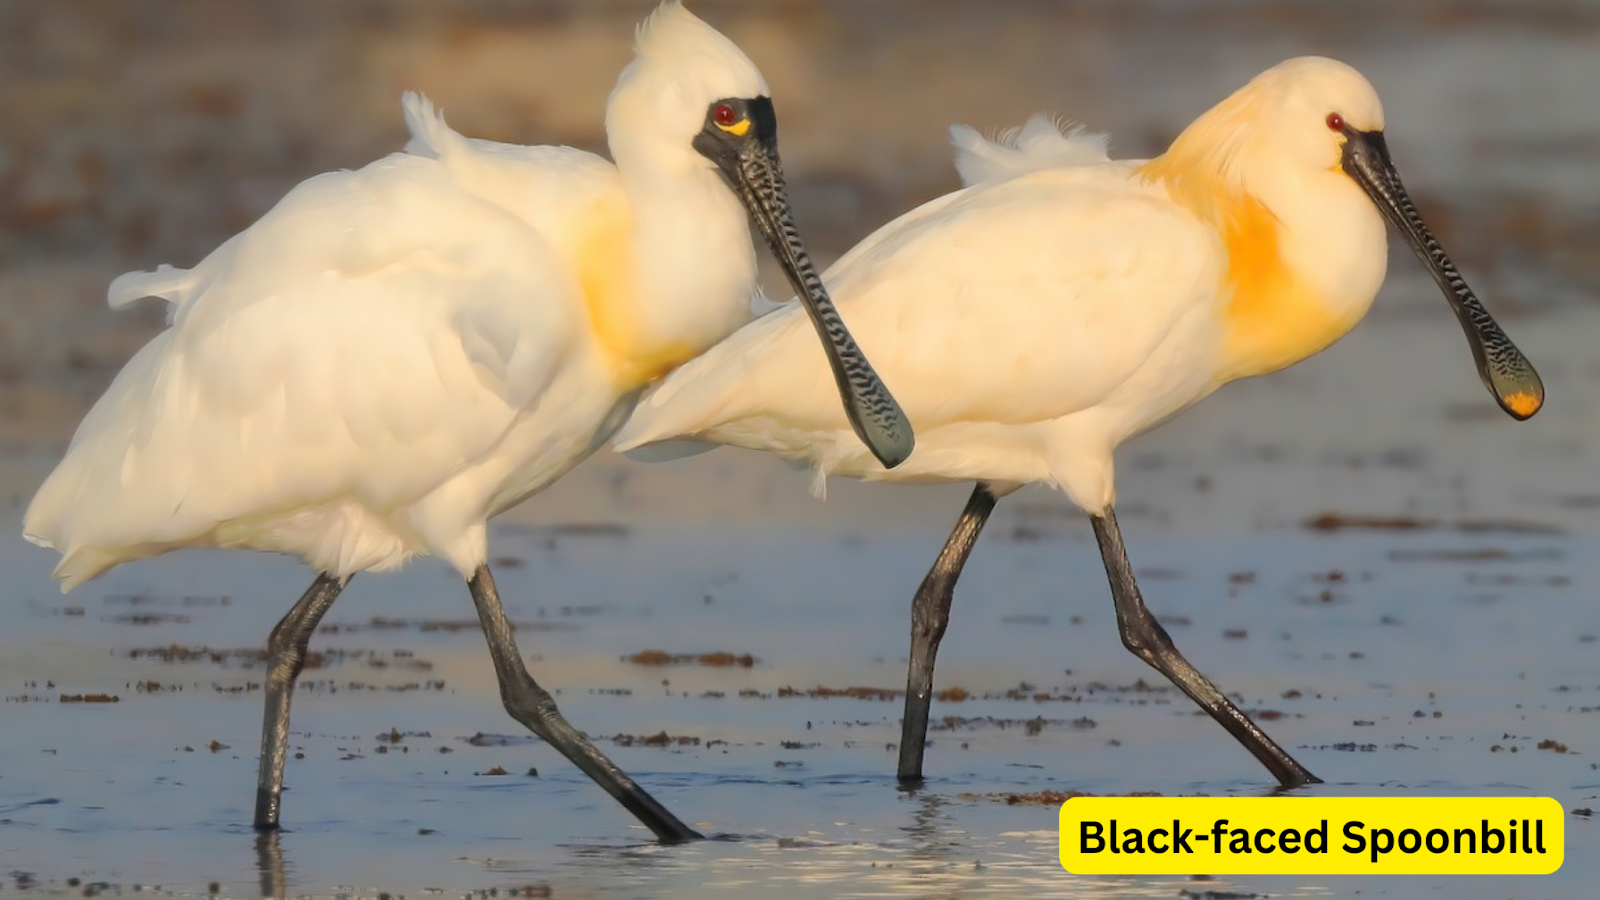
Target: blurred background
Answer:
[[140, 132]]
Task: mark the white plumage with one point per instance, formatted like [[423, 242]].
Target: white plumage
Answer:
[[994, 313], [340, 381], [392, 355], [1042, 142], [1063, 302]]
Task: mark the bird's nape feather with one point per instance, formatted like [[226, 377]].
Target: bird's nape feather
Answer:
[[431, 136], [169, 283], [1043, 142]]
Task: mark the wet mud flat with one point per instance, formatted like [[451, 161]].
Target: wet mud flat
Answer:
[[1389, 662]]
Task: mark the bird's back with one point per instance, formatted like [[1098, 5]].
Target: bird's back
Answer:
[[374, 334], [1017, 301]]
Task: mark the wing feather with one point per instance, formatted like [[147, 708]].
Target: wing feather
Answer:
[[372, 334], [1010, 302]]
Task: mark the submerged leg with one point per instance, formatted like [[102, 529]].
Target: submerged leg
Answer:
[[1142, 634], [532, 705], [286, 656], [930, 614]]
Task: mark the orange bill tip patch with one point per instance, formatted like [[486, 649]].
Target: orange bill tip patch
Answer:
[[1522, 404]]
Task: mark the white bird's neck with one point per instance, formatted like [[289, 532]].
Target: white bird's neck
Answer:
[[689, 270]]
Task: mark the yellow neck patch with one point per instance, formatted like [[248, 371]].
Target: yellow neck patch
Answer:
[[603, 257], [1272, 318]]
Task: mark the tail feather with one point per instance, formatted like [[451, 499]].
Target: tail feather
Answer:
[[83, 565], [76, 565], [1043, 142]]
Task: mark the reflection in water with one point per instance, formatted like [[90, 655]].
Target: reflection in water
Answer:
[[269, 864], [933, 832]]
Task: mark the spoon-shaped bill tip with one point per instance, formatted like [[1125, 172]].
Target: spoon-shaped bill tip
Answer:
[[756, 175], [879, 421], [1504, 370], [1519, 392], [1522, 405]]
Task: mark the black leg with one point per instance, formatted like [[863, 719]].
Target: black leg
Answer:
[[286, 656], [532, 705], [1142, 634], [930, 614]]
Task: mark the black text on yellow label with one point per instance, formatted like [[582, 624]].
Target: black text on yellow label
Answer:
[[1312, 835]]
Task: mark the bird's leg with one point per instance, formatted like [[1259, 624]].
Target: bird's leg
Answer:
[[286, 656], [930, 614], [1142, 634], [532, 705]]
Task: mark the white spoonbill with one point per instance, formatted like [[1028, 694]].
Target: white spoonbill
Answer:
[[1035, 320], [391, 356]]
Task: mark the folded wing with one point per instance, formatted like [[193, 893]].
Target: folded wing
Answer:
[[372, 334], [1010, 302]]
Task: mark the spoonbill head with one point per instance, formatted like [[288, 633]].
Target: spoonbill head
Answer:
[[689, 96], [1294, 172], [393, 355], [1063, 302]]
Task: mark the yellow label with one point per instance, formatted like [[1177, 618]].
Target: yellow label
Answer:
[[1312, 835]]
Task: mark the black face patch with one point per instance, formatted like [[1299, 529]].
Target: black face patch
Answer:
[[1365, 156], [740, 137], [733, 124]]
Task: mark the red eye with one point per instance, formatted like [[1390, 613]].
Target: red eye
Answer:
[[1335, 121], [724, 114]]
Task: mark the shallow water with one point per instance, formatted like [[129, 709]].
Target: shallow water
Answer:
[[1437, 662], [1432, 659]]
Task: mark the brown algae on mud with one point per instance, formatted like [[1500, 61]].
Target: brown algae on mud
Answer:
[[659, 739], [715, 659], [1332, 522]]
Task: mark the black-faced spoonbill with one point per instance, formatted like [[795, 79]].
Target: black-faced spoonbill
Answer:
[[1064, 302], [394, 355]]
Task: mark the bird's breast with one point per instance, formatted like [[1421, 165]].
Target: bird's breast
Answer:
[[633, 351], [1272, 316]]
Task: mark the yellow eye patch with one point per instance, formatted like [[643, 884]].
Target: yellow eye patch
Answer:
[[737, 129]]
